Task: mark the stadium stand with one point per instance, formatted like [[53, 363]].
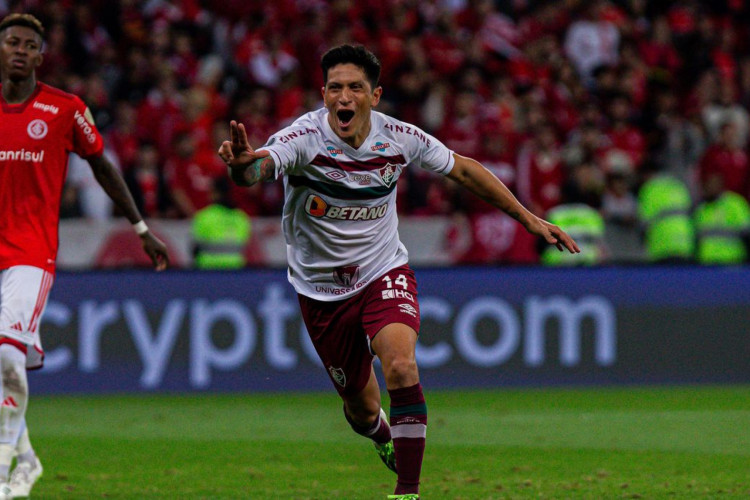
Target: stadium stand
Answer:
[[562, 100]]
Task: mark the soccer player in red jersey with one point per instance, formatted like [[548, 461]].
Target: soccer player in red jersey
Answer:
[[357, 294], [39, 126]]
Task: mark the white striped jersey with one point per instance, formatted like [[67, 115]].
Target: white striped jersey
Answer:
[[339, 220]]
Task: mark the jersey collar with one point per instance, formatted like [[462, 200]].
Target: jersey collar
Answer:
[[20, 107]]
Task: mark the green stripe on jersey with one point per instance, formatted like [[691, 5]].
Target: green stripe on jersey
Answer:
[[342, 192], [418, 409]]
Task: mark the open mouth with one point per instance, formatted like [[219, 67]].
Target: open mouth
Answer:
[[345, 117]]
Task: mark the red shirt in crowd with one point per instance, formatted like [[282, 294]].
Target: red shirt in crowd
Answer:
[[731, 164], [539, 179]]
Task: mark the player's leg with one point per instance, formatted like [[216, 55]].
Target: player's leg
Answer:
[[336, 333], [15, 393], [28, 467], [366, 417], [395, 346], [23, 297], [391, 320]]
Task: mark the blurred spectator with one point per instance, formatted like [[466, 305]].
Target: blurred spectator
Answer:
[[722, 224], [146, 182], [654, 79], [619, 204], [728, 160], [189, 181], [220, 231], [622, 133], [584, 224], [676, 142], [540, 174], [664, 206], [591, 41], [93, 202], [584, 184], [726, 109]]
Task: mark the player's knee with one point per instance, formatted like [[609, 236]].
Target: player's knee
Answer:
[[401, 372], [363, 414], [13, 371]]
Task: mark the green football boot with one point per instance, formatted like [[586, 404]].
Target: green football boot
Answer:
[[387, 455]]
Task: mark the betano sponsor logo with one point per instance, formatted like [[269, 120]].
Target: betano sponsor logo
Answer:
[[22, 155], [318, 208]]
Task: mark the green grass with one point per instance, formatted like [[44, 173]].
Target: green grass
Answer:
[[691, 442]]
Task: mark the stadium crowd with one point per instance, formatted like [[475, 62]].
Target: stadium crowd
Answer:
[[567, 101]]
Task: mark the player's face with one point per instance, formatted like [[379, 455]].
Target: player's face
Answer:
[[349, 98], [20, 52]]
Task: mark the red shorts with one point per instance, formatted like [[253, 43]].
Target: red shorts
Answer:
[[341, 331]]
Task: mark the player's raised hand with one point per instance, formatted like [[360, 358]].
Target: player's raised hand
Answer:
[[237, 152], [553, 235], [156, 250]]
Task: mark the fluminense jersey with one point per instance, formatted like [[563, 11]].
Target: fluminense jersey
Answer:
[[35, 139], [340, 221]]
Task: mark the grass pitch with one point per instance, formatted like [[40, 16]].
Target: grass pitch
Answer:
[[691, 442]]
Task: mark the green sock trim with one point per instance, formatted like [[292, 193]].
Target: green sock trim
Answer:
[[417, 409]]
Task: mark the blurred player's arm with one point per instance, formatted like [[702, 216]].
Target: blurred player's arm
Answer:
[[476, 178], [111, 181], [246, 166]]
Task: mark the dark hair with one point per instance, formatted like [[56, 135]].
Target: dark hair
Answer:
[[25, 20], [354, 54]]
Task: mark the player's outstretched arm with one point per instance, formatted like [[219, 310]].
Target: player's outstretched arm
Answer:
[[114, 185], [473, 176], [246, 166]]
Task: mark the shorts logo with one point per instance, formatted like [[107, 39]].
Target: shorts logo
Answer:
[[336, 175], [10, 402], [346, 275], [338, 375], [408, 309], [388, 174], [397, 294], [37, 129]]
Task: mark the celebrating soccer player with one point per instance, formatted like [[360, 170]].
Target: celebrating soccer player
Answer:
[[39, 126], [358, 296]]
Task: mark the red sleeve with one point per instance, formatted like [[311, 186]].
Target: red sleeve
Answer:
[[87, 141]]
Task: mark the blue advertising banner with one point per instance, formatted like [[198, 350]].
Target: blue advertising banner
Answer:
[[481, 327]]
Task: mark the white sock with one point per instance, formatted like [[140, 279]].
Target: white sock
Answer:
[[23, 448], [15, 395]]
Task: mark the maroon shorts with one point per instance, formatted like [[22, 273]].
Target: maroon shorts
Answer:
[[341, 331]]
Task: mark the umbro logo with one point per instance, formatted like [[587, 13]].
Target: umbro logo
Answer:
[[408, 309], [336, 175]]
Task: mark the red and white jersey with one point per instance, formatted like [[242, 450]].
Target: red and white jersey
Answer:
[[35, 139], [340, 221]]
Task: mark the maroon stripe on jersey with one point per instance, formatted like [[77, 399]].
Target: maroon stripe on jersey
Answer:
[[359, 165]]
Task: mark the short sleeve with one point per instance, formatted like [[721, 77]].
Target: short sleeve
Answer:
[[293, 146], [434, 155], [87, 141]]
